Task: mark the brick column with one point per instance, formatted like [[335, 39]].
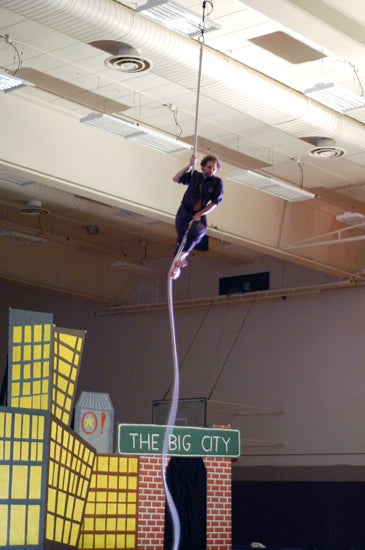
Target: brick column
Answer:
[[151, 504], [219, 503]]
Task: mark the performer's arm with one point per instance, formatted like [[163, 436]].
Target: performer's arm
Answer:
[[177, 177], [204, 211]]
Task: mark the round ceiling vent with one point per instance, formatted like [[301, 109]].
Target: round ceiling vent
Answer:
[[325, 148], [34, 208], [127, 63], [327, 152]]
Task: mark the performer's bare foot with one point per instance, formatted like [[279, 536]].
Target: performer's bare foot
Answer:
[[181, 262], [175, 271]]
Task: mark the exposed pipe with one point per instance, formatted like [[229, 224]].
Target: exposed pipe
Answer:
[[224, 79]]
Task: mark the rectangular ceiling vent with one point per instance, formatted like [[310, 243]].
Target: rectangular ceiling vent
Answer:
[[287, 47]]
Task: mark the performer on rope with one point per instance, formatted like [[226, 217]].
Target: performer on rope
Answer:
[[204, 193]]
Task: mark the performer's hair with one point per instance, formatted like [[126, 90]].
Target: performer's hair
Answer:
[[208, 158]]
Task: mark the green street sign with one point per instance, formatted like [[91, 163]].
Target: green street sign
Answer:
[[148, 439]]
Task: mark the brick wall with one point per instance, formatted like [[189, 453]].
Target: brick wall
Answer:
[[151, 504]]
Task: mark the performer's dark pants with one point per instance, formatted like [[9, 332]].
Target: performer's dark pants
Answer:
[[196, 231]]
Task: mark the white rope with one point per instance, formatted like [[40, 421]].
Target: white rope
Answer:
[[171, 421], [176, 375]]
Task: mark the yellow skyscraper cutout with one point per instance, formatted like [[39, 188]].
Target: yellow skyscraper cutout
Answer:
[[45, 469]]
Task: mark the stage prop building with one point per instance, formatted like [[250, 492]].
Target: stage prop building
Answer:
[[64, 489]]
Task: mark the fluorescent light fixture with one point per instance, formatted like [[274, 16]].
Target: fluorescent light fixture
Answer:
[[132, 268], [143, 135], [137, 218], [16, 180], [351, 218], [17, 236], [335, 97], [269, 185], [176, 17], [9, 83]]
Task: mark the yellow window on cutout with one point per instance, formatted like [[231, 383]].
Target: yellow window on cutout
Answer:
[[37, 365], [131, 509], [15, 370], [59, 530], [33, 525], [27, 373], [35, 482], [16, 354], [15, 390], [2, 424], [61, 503], [18, 418], [28, 333], [45, 368], [75, 530], [121, 524], [73, 375], [26, 426], [99, 541], [123, 482], [103, 464], [4, 481], [100, 509], [123, 464], [130, 541], [132, 483], [37, 333], [110, 541], [67, 531], [50, 526], [66, 353], [47, 332], [87, 541], [121, 541], [88, 524], [113, 482], [131, 524], [37, 352], [27, 353], [46, 351], [3, 521], [25, 451], [100, 524], [17, 525], [19, 483], [111, 524], [112, 508], [133, 465], [17, 334]]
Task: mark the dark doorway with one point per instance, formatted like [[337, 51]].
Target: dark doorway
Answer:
[[187, 482]]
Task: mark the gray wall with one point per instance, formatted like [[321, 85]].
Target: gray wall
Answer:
[[303, 354]]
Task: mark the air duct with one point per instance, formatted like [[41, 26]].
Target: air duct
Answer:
[[175, 58]]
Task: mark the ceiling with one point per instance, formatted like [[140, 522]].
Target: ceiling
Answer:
[[246, 105]]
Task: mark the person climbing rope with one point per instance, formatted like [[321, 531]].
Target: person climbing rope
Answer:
[[204, 193]]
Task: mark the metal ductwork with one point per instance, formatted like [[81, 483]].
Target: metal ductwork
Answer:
[[175, 57], [35, 195]]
